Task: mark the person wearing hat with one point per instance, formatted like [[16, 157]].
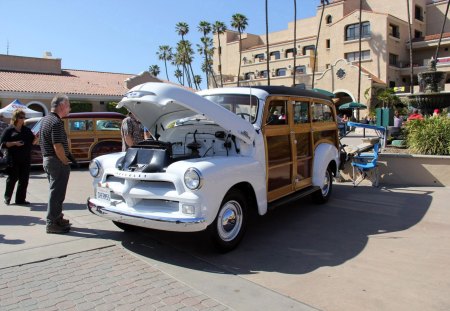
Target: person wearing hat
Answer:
[[436, 113]]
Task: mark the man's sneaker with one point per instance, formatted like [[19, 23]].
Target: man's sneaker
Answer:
[[57, 228]]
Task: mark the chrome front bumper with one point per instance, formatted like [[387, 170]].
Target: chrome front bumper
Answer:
[[146, 221]]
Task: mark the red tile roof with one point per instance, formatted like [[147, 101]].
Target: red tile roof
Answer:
[[71, 81], [432, 37]]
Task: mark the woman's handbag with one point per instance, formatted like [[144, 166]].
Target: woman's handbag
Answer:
[[4, 159]]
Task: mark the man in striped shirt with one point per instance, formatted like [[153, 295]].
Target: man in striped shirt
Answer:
[[55, 152]]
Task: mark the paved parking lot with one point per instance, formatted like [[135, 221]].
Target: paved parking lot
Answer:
[[367, 249]]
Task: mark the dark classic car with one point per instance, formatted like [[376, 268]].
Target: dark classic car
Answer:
[[90, 135]]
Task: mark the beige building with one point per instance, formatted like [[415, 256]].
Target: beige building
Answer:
[[385, 49], [35, 81]]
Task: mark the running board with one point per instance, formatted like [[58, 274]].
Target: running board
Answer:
[[293, 197]]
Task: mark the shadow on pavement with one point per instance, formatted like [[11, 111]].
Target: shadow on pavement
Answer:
[[297, 238]]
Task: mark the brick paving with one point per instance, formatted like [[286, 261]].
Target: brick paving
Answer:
[[101, 279]]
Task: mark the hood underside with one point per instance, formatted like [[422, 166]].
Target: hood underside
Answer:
[[153, 102]]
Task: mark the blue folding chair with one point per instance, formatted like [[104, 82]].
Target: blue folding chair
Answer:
[[365, 165]]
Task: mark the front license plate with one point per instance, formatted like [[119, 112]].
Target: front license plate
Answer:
[[104, 194]]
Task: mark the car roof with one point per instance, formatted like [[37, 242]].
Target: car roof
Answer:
[[76, 115], [286, 90]]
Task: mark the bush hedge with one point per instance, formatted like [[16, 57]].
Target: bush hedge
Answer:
[[111, 106], [429, 136], [76, 106]]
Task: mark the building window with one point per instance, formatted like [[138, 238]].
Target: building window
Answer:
[[290, 52], [263, 74], [248, 76], [391, 84], [308, 47], [352, 31], [300, 69], [281, 72], [259, 57], [393, 59], [418, 13], [354, 56], [329, 19], [394, 31], [275, 55], [328, 43], [417, 34]]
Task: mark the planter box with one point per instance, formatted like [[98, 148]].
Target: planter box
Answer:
[[409, 170]]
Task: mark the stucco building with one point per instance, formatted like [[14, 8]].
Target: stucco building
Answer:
[[385, 49], [35, 81]]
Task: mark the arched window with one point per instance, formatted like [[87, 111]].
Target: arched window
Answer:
[[300, 69], [248, 75], [352, 31], [329, 19], [281, 72], [307, 48], [275, 55], [290, 52]]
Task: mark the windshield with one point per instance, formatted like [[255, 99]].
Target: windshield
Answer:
[[245, 106]]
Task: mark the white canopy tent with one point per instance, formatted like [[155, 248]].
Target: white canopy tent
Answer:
[[7, 111]]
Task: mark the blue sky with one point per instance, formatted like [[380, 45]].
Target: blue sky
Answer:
[[124, 35]]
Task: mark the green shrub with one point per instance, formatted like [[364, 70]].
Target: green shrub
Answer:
[[80, 106], [111, 106], [430, 136]]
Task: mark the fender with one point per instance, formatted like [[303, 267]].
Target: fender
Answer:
[[323, 155], [245, 170]]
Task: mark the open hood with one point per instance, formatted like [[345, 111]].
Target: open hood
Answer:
[[150, 102]]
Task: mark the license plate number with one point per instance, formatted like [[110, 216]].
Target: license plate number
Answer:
[[104, 194]]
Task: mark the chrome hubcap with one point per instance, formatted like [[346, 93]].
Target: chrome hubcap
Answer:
[[229, 220], [326, 183]]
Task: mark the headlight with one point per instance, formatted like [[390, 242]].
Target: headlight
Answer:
[[193, 179], [94, 168]]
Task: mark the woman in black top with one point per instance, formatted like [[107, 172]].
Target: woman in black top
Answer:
[[18, 139]]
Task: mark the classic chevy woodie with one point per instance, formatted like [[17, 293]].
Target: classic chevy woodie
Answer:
[[218, 155], [90, 134]]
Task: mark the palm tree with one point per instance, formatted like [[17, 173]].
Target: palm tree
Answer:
[[239, 22], [219, 28], [165, 54], [197, 79], [207, 48], [154, 70], [184, 58], [322, 2], [205, 28], [182, 29], [267, 42], [178, 74], [411, 83], [295, 42]]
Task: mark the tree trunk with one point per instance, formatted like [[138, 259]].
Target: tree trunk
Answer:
[[411, 84], [317, 43], [295, 42]]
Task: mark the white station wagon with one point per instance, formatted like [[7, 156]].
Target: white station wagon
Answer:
[[218, 155]]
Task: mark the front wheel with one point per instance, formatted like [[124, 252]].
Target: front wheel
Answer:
[[229, 226], [323, 194]]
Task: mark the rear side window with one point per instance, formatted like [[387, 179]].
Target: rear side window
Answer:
[[80, 125], [108, 125], [322, 113]]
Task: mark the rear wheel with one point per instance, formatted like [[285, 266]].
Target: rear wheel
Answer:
[[229, 226], [323, 194], [125, 227]]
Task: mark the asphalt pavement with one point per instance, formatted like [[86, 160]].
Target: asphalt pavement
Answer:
[[366, 249]]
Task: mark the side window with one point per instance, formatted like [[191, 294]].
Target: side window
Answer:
[[322, 113], [108, 125], [301, 112], [277, 113], [80, 125]]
